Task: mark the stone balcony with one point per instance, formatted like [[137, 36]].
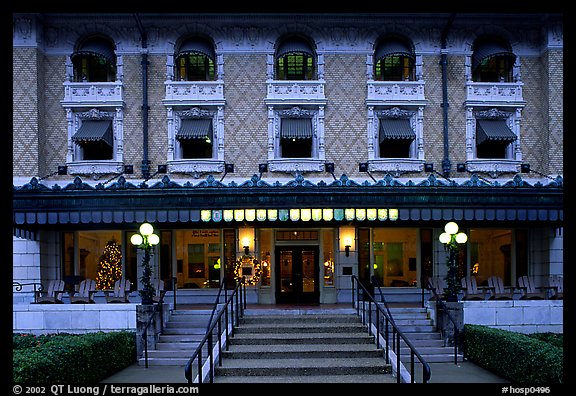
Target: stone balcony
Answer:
[[194, 93], [494, 94], [295, 92], [85, 94], [395, 92]]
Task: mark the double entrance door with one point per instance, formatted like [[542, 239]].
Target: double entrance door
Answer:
[[297, 275]]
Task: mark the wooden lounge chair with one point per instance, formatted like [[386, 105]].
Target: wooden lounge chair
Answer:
[[160, 288], [471, 290], [85, 293], [556, 284], [53, 295], [497, 289], [529, 290], [436, 284], [120, 293]]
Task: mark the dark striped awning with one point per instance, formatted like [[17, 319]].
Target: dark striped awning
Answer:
[[392, 47], [195, 129], [97, 47], [396, 129], [493, 130], [296, 128], [94, 131], [294, 45], [197, 45], [490, 49]]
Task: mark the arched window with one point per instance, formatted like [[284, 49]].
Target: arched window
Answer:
[[94, 61], [295, 60], [492, 61], [195, 60], [394, 61]]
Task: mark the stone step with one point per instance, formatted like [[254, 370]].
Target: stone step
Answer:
[[291, 319], [314, 379], [309, 366], [302, 338], [300, 328], [304, 353]]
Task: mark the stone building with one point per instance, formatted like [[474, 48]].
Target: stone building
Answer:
[[291, 150]]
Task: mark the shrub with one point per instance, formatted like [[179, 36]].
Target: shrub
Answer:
[[83, 358], [515, 356]]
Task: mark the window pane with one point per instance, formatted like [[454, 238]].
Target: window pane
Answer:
[[100, 257]]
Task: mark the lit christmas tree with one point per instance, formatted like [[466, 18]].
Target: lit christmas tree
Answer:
[[110, 267]]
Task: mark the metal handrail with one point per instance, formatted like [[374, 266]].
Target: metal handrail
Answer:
[[158, 307], [396, 332], [445, 308], [18, 287], [233, 308], [376, 284], [222, 287]]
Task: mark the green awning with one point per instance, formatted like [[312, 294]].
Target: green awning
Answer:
[[494, 130], [94, 131], [396, 129], [195, 129], [296, 128]]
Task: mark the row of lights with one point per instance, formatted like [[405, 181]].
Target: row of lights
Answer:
[[305, 214]]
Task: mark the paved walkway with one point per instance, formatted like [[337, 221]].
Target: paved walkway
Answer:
[[463, 372]]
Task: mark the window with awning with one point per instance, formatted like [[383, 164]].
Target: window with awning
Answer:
[[191, 129], [195, 138], [493, 138], [493, 131], [396, 129], [296, 137], [195, 60], [394, 60], [94, 61], [296, 128], [395, 138], [294, 60], [492, 61], [95, 131]]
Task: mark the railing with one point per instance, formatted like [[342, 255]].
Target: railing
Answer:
[[440, 303], [392, 341], [233, 309], [38, 287], [158, 308]]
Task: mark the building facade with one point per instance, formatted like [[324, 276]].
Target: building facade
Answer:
[[288, 150]]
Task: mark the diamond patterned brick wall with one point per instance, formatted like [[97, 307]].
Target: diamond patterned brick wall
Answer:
[[25, 111], [556, 110], [245, 113], [133, 112], [346, 113]]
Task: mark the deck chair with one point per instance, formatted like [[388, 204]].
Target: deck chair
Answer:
[[529, 290], [497, 289], [85, 293], [53, 295], [160, 288], [438, 285], [556, 284], [120, 293], [471, 290]]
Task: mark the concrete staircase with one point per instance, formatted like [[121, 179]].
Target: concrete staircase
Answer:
[[286, 346], [420, 330], [182, 334]]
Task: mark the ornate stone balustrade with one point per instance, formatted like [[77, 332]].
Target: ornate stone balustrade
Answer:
[[194, 92], [295, 92], [380, 92], [494, 93], [82, 94]]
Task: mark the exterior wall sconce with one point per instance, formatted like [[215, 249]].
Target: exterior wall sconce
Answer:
[[246, 240], [347, 246], [363, 167], [246, 246]]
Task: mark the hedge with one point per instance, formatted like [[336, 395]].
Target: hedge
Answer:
[[71, 358], [517, 357]]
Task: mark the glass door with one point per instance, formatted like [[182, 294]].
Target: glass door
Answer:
[[297, 275]]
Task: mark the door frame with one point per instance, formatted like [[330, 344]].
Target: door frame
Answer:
[[297, 296]]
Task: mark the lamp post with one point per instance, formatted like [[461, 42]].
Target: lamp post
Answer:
[[451, 238], [146, 240]]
